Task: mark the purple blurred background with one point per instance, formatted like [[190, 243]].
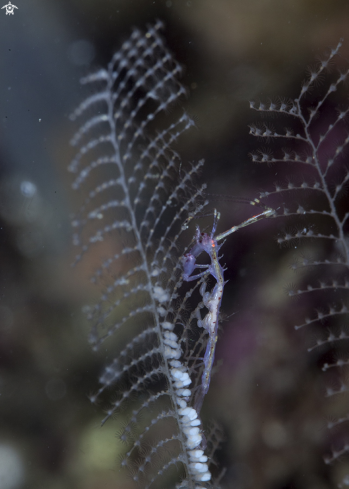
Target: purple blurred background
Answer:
[[268, 393]]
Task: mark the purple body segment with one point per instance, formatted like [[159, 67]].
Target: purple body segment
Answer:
[[188, 264]]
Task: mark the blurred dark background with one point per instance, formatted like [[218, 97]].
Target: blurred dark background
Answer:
[[268, 394]]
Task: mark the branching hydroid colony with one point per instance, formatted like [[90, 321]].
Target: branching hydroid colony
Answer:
[[140, 197], [317, 200], [140, 194], [161, 294]]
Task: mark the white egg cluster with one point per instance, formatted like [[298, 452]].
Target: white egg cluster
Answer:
[[189, 419]]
